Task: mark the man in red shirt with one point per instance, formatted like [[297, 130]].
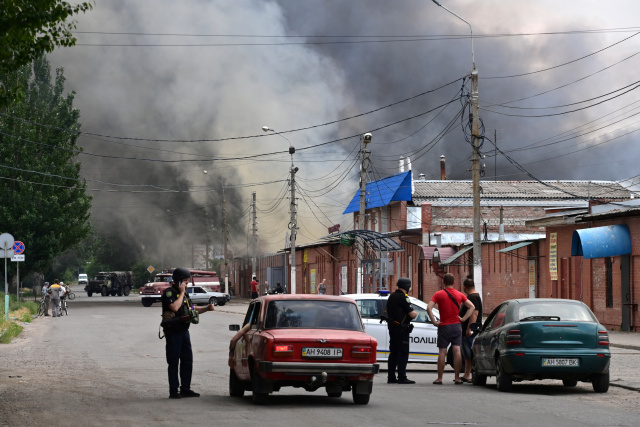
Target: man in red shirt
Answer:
[[449, 326], [255, 286]]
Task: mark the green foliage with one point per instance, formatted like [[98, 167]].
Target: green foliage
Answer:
[[42, 198], [28, 30]]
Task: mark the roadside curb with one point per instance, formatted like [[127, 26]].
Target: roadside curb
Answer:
[[628, 347], [628, 387]]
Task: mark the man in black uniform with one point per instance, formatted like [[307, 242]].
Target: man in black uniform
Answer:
[[177, 313], [399, 313]]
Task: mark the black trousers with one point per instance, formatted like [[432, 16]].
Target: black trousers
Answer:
[[179, 357], [398, 352]]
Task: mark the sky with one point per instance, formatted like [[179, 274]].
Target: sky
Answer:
[[168, 89]]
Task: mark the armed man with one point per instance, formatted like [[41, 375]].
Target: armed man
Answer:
[[178, 312], [399, 316]]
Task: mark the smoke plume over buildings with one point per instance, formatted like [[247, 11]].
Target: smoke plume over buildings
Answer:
[[170, 89]]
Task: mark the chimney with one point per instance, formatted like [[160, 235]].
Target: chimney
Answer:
[[401, 164], [413, 188], [422, 177], [443, 174]]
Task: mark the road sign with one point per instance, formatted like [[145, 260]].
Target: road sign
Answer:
[[18, 248], [6, 242], [150, 269], [17, 258]]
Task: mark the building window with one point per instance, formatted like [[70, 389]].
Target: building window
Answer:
[[609, 278]]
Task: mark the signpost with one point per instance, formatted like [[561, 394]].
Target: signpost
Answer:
[[18, 256], [6, 242]]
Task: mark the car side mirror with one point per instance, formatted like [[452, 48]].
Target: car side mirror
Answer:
[[475, 327], [234, 328]]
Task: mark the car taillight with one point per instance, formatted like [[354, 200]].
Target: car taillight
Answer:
[[361, 351], [513, 337], [603, 338], [282, 350]]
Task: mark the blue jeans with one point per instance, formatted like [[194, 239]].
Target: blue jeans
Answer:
[[179, 357]]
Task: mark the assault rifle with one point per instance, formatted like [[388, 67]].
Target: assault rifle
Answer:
[[390, 321]]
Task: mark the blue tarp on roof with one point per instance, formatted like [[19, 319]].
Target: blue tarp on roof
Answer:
[[382, 192], [599, 242]]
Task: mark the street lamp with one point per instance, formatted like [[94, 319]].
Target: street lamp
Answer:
[[224, 236], [475, 126], [293, 226]]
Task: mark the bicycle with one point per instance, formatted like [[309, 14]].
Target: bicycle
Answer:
[[41, 309], [63, 306], [71, 296]]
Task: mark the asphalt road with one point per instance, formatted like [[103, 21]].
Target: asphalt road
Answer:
[[104, 365]]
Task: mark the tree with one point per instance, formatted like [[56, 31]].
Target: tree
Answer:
[[42, 197], [29, 29]]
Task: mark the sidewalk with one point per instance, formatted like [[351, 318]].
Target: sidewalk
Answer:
[[625, 360]]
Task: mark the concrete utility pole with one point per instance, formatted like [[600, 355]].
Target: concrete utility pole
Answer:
[[254, 232], [293, 227], [475, 126], [475, 129], [362, 218], [225, 237]]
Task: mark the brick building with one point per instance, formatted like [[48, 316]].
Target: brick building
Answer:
[[414, 217], [595, 258]]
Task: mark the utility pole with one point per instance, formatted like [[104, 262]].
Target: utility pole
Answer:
[[293, 226], [475, 128], [254, 231], [225, 237], [206, 230], [362, 218]]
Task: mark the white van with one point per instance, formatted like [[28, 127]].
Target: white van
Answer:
[[83, 279]]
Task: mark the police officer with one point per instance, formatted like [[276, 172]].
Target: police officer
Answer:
[[399, 312], [178, 312]]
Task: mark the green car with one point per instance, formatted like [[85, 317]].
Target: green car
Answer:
[[535, 339]]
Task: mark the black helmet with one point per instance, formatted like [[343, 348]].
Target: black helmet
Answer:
[[179, 274], [404, 283]]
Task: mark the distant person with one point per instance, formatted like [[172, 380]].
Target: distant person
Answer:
[[279, 289], [47, 298], [54, 291], [178, 309], [321, 288], [448, 301], [468, 336], [255, 287], [63, 294]]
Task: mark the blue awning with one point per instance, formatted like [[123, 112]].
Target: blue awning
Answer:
[[599, 242], [382, 192]]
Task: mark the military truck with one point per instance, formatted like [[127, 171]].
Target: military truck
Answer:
[[110, 283]]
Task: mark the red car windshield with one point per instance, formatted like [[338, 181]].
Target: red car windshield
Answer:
[[314, 314]]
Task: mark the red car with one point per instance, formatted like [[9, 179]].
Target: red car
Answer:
[[306, 341]]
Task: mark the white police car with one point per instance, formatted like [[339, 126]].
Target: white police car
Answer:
[[423, 338]]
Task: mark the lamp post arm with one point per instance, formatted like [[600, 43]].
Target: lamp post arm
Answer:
[[473, 59]]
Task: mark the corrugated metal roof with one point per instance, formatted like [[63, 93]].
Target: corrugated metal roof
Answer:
[[382, 192], [444, 251], [514, 247], [522, 190]]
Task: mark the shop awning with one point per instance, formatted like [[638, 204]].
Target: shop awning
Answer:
[[457, 255], [514, 247], [445, 252], [599, 242]]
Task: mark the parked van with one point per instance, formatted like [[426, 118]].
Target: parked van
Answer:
[[83, 279]]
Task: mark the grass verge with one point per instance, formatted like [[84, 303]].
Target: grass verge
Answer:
[[18, 312]]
